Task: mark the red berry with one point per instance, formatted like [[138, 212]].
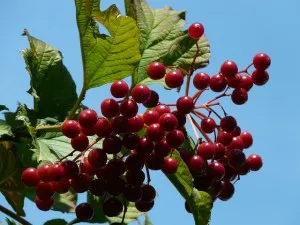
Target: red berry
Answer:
[[97, 158], [80, 143], [150, 117], [162, 148], [103, 127], [239, 96], [217, 170], [109, 108], [115, 186], [236, 132], [87, 168], [201, 80], [261, 61], [181, 119], [44, 190], [260, 77], [144, 206], [197, 165], [217, 83], [247, 139], [136, 123], [71, 168], [208, 125], [133, 193], [70, 128], [112, 207], [112, 144], [156, 70], [57, 172], [152, 101], [145, 146], [88, 131], [229, 68], [220, 151], [155, 132], [135, 177], [206, 150], [235, 81], [228, 123], [227, 191], [119, 89], [130, 140], [236, 157], [44, 205], [236, 143], [149, 193], [162, 109], [30, 177], [97, 187], [116, 167], [81, 183], [170, 166], [141, 93], [255, 162], [154, 162], [45, 172], [174, 79], [134, 162], [87, 118], [168, 121], [62, 186], [224, 138], [129, 108], [246, 82], [185, 104], [175, 138], [196, 30], [84, 212], [120, 124]]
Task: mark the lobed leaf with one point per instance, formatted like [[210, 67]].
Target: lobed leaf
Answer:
[[5, 129]]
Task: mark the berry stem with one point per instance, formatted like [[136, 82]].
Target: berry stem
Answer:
[[70, 154], [199, 114], [246, 70], [197, 95], [148, 175], [77, 103], [211, 110], [14, 216], [193, 127], [91, 145], [192, 69], [125, 211], [201, 131], [219, 96], [48, 128]]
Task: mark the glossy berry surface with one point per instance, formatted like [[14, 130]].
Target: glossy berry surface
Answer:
[[185, 104], [227, 191], [44, 205], [87, 118], [261, 61], [141, 93], [175, 138], [255, 162], [170, 166], [152, 101], [129, 108], [109, 108], [80, 143], [119, 89], [174, 79], [168, 121], [196, 30], [30, 177], [208, 125], [246, 82], [239, 96], [156, 70], [84, 212], [217, 83], [228, 123], [260, 77], [206, 150], [70, 128], [201, 80], [229, 68]]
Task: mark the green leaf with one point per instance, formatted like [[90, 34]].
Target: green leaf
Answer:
[[189, 145], [8, 161], [162, 39], [106, 58], [147, 220], [27, 119], [56, 222], [10, 222], [52, 86], [5, 129], [96, 203], [3, 107], [201, 205]]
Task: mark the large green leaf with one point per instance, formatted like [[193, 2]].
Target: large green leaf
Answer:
[[56, 222], [106, 58], [5, 129], [8, 162], [96, 203], [162, 39], [3, 107], [52, 86]]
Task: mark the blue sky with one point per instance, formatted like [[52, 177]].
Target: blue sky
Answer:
[[236, 30]]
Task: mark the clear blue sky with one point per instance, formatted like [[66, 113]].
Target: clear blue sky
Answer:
[[236, 30]]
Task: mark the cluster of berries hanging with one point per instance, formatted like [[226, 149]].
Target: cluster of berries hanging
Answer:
[[133, 144]]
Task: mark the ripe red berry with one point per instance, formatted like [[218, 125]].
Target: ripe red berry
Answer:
[[134, 162], [88, 131], [162, 148], [208, 125], [201, 80], [120, 124], [30, 177], [116, 167], [87, 168], [119, 89], [155, 132], [217, 170], [206, 150], [224, 138], [229, 68], [80, 143], [220, 151], [261, 61], [145, 146], [144, 206], [152, 101], [175, 138], [236, 132], [228, 123], [45, 172], [168, 121], [260, 77], [130, 140], [247, 139], [44, 190], [235, 81], [174, 79], [217, 83], [239, 96], [151, 116], [227, 191], [181, 119], [170, 166], [44, 205], [196, 30], [109, 108], [255, 162], [115, 186], [141, 93], [154, 162], [162, 109], [97, 157], [246, 82], [197, 165], [84, 212], [87, 118], [236, 143], [70, 128], [112, 207], [149, 193], [112, 144], [81, 183], [57, 172], [103, 127], [135, 177], [71, 168], [133, 193], [236, 157], [156, 70], [185, 104], [136, 123], [62, 186], [129, 108]]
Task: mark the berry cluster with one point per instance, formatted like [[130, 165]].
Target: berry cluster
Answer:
[[133, 144]]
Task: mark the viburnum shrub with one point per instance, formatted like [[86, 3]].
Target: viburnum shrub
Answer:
[[110, 154]]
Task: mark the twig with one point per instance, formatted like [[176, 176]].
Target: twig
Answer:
[[192, 69], [148, 175], [91, 145], [14, 216], [70, 154]]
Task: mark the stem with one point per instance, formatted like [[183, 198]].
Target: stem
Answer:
[[193, 127], [197, 95], [14, 215], [199, 114], [148, 175], [219, 96], [48, 128], [70, 154], [125, 211], [201, 131], [210, 109], [77, 103], [246, 70], [91, 145], [192, 69]]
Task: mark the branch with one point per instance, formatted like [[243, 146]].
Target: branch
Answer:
[[77, 103], [14, 215], [192, 69]]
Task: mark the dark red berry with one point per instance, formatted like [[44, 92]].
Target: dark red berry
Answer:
[[224, 138], [135, 178], [197, 165], [149, 193], [202, 183], [112, 207], [109, 108], [81, 183], [97, 187], [130, 140], [217, 170], [144, 206], [235, 81], [145, 146], [103, 127], [185, 104], [70, 128], [260, 77], [120, 124], [201, 81], [170, 166], [239, 96], [156, 70], [152, 101], [181, 119], [227, 191], [44, 190], [112, 144], [236, 132], [236, 157], [141, 93], [115, 186], [119, 89], [206, 150], [134, 162], [136, 123], [133, 193], [220, 151], [261, 61], [229, 68], [228, 123], [150, 117], [71, 168], [62, 186], [116, 167], [30, 177], [84, 212], [154, 162], [255, 162], [175, 138], [80, 143], [162, 109], [208, 125], [217, 83], [129, 108], [187, 207], [247, 139], [87, 118], [174, 79], [44, 205], [162, 148], [86, 167], [168, 121], [236, 143], [57, 172], [97, 157], [196, 30], [155, 132], [246, 82], [45, 172]]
